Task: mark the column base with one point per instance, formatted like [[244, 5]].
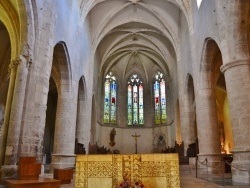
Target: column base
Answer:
[[241, 167], [210, 164], [9, 172], [62, 161]]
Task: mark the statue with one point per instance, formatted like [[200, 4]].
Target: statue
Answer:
[[161, 144], [112, 137]]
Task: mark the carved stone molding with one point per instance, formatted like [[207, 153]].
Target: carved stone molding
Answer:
[[229, 65]]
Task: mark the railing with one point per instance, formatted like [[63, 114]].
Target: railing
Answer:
[[240, 169], [218, 175]]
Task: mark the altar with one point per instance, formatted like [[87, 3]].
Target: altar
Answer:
[[107, 171]]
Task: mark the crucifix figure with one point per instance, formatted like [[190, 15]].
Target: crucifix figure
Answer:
[[136, 136]]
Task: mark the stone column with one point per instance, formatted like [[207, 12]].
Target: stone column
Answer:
[[12, 70], [20, 67], [81, 118], [64, 140], [11, 154], [187, 122], [237, 76], [207, 128]]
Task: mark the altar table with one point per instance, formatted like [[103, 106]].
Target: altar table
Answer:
[[106, 171]]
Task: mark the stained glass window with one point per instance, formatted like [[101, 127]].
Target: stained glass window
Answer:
[[160, 99], [110, 99], [135, 101]]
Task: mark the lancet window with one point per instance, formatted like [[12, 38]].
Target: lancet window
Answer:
[[160, 99], [135, 101], [110, 92]]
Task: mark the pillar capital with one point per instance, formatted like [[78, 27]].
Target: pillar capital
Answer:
[[13, 65], [232, 64], [22, 59], [26, 59]]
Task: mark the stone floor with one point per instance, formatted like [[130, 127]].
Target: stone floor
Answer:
[[190, 181], [187, 181]]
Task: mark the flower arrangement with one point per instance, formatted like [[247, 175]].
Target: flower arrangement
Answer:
[[128, 184], [138, 184]]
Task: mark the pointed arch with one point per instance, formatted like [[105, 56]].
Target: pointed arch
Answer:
[[9, 17], [191, 107], [81, 111], [50, 121], [93, 129], [61, 69], [178, 123], [211, 55]]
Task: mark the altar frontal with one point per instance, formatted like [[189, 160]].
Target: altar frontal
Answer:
[[112, 171]]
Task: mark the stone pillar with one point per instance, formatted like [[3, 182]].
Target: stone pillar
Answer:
[[208, 130], [187, 123], [237, 76], [81, 118], [20, 67], [64, 140], [12, 70]]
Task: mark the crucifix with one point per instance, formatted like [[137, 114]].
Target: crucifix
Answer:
[[136, 136]]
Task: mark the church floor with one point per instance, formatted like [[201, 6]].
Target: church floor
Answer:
[[187, 181], [190, 181]]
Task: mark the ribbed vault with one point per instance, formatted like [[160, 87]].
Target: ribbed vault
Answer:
[[131, 34]]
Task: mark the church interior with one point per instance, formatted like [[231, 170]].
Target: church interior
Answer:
[[126, 78]]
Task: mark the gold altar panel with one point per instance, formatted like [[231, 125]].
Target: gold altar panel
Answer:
[[153, 182], [106, 171], [99, 182]]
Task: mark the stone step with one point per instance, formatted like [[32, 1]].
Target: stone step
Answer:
[[40, 183]]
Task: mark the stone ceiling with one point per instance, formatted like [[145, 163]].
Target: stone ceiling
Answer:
[[135, 34]]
